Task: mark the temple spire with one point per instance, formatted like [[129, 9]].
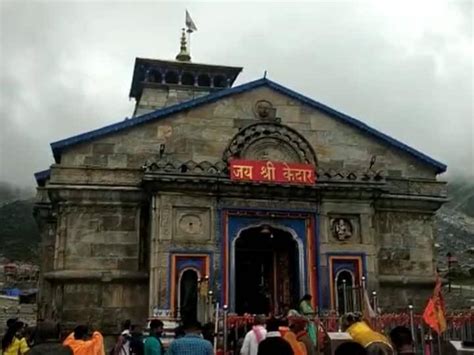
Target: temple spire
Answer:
[[183, 55]]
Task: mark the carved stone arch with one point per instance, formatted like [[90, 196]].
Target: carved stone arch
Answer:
[[270, 141]]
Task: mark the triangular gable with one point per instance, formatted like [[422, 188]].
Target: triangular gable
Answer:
[[59, 146]]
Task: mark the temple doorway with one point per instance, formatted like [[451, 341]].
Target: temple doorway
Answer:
[[266, 270], [188, 295], [346, 296]]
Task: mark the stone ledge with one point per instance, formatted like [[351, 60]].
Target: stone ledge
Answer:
[[407, 280], [88, 175], [409, 203], [104, 276]]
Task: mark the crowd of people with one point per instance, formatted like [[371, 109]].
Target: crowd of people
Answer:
[[46, 340], [289, 335]]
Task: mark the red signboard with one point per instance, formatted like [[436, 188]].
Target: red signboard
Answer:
[[268, 171]]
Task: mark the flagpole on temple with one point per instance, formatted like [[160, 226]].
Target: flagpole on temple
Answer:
[[189, 40]]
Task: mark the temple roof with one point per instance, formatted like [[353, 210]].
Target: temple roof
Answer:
[[59, 146], [42, 176], [142, 65]]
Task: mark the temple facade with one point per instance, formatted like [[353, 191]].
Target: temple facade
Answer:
[[252, 195]]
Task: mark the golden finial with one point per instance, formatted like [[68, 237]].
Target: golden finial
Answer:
[[183, 54]]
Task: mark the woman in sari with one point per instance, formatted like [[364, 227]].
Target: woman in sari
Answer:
[[307, 310]]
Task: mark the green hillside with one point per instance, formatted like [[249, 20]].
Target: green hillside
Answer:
[[19, 235]]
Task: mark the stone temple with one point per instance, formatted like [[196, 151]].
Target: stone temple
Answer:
[[149, 214]]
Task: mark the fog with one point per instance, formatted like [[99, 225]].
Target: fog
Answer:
[[403, 67]]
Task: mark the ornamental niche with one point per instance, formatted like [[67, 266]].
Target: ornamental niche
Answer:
[[342, 229]]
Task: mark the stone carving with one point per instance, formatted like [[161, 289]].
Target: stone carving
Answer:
[[165, 166], [165, 132], [265, 149], [257, 139], [191, 224], [271, 149], [331, 175], [342, 229], [264, 110]]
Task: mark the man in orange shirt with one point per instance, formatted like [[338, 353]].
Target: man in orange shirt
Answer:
[[80, 346], [298, 325], [290, 336]]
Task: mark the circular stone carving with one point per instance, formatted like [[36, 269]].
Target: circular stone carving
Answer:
[[342, 229], [270, 149], [190, 224], [270, 141]]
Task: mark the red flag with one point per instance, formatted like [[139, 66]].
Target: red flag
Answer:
[[435, 311]]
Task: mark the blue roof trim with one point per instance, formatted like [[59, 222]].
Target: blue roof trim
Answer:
[[42, 176], [441, 168], [59, 146]]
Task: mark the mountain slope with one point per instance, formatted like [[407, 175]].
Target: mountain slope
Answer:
[[19, 235], [461, 194]]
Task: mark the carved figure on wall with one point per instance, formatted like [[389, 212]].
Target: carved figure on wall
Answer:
[[342, 229], [264, 110], [271, 149]]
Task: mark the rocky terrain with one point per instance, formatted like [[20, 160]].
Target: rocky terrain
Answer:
[[455, 234], [455, 231]]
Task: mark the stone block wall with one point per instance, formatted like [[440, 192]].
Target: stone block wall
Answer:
[[94, 270], [396, 296], [155, 98], [405, 242], [98, 238], [10, 307], [405, 257], [204, 132], [108, 304], [180, 224]]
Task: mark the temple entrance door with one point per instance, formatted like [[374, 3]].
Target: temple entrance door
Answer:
[[266, 270], [345, 292], [188, 295]]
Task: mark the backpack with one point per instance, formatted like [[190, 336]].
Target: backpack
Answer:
[[136, 346], [120, 344]]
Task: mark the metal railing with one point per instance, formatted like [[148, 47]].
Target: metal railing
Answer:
[[230, 329]]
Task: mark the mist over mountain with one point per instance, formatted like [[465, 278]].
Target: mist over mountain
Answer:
[[461, 194], [10, 192]]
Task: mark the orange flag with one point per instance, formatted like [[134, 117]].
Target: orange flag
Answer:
[[434, 314]]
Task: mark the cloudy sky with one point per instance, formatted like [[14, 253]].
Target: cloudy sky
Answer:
[[404, 67]]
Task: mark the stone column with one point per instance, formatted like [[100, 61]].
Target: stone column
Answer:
[[154, 267]]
